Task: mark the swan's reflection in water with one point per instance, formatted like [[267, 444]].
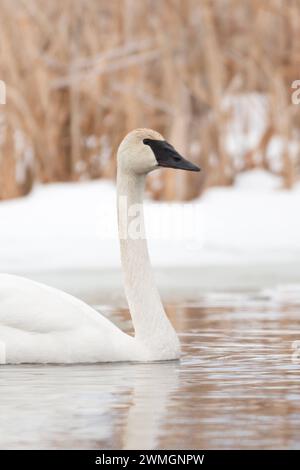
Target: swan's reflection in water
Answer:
[[235, 387], [99, 406], [149, 403]]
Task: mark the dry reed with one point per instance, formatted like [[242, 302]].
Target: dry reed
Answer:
[[80, 74]]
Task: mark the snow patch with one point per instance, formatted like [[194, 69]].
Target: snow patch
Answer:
[[74, 226]]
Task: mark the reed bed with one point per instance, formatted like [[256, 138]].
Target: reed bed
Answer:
[[206, 73]]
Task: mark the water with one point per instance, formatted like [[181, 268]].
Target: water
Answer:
[[237, 385]]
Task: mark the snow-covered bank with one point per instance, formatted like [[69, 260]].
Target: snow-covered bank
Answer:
[[73, 226]]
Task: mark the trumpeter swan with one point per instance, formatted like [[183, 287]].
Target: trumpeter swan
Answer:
[[40, 324]]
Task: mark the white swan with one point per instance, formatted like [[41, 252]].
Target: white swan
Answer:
[[39, 324]]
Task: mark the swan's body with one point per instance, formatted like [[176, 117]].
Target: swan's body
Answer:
[[39, 324], [52, 326]]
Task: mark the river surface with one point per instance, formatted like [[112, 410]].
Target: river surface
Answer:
[[236, 386]]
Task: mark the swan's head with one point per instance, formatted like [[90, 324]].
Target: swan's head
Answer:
[[144, 150]]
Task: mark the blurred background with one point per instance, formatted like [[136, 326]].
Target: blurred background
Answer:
[[213, 76]]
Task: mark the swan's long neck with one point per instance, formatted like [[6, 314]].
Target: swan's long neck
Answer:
[[149, 319]]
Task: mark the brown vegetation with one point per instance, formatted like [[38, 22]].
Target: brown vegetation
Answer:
[[80, 74]]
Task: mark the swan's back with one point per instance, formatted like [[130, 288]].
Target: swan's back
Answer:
[[41, 324], [31, 306]]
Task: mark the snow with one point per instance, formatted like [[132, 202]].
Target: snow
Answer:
[[73, 226], [248, 120], [258, 180]]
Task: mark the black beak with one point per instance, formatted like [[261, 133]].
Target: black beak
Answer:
[[167, 156]]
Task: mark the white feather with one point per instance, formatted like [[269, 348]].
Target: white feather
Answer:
[[39, 324]]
